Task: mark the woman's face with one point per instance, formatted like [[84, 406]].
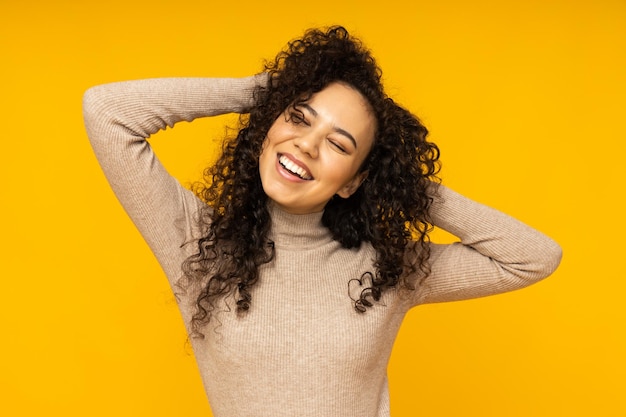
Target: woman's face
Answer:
[[315, 151]]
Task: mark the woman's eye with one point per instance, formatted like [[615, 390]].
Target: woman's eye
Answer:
[[297, 118], [338, 146]]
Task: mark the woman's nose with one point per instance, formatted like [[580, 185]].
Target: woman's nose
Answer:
[[308, 144]]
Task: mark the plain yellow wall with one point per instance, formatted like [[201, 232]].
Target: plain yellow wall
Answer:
[[525, 98]]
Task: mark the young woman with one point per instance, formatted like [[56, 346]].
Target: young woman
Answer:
[[297, 258]]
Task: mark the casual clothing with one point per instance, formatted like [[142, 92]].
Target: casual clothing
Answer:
[[301, 350]]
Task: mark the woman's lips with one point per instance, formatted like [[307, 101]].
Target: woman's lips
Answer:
[[294, 167]]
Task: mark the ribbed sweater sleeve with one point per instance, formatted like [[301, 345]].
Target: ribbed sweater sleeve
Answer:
[[120, 117], [496, 252]]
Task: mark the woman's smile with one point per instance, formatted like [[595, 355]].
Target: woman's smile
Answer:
[[293, 167]]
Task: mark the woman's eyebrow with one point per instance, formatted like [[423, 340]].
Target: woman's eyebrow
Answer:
[[336, 129]]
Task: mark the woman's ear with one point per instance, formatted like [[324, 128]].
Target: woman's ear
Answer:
[[354, 184]]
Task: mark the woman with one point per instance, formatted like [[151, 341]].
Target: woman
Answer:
[[296, 260]]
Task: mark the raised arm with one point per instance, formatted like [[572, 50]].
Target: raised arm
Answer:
[[496, 252], [119, 119]]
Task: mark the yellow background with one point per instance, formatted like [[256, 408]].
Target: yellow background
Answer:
[[525, 98]]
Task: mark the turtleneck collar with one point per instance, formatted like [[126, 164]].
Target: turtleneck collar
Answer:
[[297, 231]]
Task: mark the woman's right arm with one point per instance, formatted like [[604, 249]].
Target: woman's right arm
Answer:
[[119, 119]]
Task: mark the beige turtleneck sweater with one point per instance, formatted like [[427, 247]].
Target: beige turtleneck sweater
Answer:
[[301, 350]]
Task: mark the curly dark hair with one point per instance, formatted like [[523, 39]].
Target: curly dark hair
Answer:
[[389, 209]]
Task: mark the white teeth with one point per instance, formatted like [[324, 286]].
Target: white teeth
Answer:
[[293, 168]]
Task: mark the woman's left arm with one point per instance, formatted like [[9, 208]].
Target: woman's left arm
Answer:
[[496, 252]]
